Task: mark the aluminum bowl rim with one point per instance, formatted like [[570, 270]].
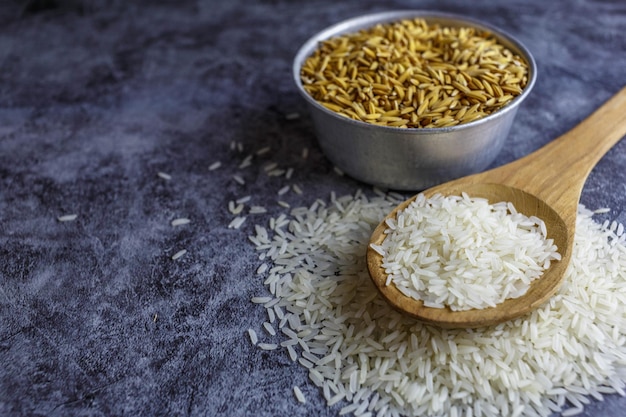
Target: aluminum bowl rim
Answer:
[[368, 20]]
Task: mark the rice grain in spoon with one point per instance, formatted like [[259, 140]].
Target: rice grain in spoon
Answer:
[[547, 184]]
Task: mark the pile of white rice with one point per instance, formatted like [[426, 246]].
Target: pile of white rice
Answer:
[[464, 253], [324, 312]]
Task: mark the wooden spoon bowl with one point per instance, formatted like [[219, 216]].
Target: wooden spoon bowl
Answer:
[[546, 183]]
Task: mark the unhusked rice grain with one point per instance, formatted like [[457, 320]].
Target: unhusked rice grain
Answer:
[[378, 362], [412, 73], [463, 252]]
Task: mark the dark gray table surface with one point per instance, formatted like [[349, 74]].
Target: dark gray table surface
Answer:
[[97, 97]]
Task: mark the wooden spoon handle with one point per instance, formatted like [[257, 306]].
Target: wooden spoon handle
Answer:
[[556, 173]]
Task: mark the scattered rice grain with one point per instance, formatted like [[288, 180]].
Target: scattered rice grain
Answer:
[[180, 221], [67, 217], [239, 179], [299, 395], [164, 176], [253, 337]]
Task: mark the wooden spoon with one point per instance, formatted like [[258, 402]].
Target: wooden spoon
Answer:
[[546, 183]]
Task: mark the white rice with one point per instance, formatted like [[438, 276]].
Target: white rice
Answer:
[[292, 116], [237, 222], [263, 150], [260, 300], [270, 166], [377, 362], [299, 395], [268, 326], [67, 217], [253, 336], [235, 208], [276, 172], [164, 176], [215, 165], [239, 179], [247, 161], [464, 253], [257, 210], [180, 221], [267, 346], [179, 254]]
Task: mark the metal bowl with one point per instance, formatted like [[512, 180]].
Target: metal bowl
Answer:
[[411, 158]]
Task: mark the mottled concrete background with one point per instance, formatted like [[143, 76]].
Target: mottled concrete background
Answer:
[[97, 97]]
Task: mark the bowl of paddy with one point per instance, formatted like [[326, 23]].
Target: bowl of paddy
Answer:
[[406, 100]]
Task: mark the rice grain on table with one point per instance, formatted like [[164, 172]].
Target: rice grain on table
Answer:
[[270, 166], [179, 254], [372, 359], [276, 172], [164, 176], [180, 221], [268, 326], [253, 336], [67, 217], [235, 208], [247, 161], [237, 222], [239, 179], [299, 395], [215, 165], [267, 346]]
